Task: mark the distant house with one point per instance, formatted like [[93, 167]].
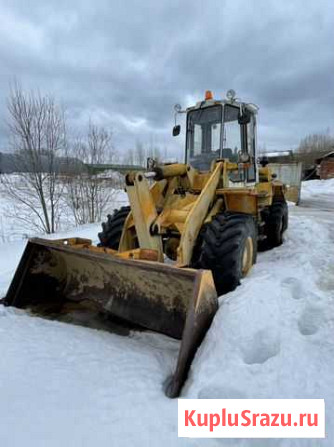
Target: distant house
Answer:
[[325, 166]]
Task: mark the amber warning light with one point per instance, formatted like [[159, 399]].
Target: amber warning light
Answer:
[[208, 95]]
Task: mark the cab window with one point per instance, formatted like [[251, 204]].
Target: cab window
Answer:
[[204, 136], [232, 134], [232, 138]]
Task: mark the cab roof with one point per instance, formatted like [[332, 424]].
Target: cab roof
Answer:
[[213, 102]]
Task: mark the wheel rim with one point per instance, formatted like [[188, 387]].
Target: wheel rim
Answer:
[[247, 256]]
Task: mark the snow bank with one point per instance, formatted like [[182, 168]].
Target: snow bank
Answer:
[[314, 188], [273, 336]]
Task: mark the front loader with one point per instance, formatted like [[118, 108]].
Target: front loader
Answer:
[[190, 234]]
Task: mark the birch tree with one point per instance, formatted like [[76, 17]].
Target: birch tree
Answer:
[[37, 137], [90, 192]]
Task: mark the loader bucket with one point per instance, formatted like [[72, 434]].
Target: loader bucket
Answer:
[[177, 302]]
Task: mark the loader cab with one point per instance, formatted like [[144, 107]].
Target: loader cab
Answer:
[[222, 129]]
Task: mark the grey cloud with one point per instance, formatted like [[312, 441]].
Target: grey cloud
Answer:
[[126, 63]]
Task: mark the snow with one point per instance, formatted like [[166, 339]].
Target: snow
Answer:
[[67, 385], [13, 229], [271, 338], [318, 188]]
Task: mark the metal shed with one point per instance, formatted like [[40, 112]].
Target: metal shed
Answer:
[[291, 175]]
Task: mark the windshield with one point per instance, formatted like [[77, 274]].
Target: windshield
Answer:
[[204, 136], [232, 134], [239, 138]]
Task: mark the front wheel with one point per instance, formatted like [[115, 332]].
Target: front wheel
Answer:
[[229, 249], [277, 223], [111, 233]]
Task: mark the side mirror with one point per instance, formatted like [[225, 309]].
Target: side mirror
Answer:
[[243, 157], [244, 118], [176, 130]]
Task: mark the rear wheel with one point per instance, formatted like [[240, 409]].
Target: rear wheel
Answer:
[[111, 233], [229, 249], [276, 224]]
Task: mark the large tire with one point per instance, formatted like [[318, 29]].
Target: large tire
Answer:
[[277, 223], [229, 249], [111, 233]]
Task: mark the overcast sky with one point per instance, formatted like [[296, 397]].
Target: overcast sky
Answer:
[[124, 64]]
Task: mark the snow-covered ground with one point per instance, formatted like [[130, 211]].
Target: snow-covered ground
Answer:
[[13, 228], [271, 338]]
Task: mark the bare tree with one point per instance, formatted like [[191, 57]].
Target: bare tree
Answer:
[[129, 157], [37, 135], [140, 154], [89, 192], [314, 146]]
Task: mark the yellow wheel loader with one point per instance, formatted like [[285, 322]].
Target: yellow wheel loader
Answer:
[[189, 235]]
